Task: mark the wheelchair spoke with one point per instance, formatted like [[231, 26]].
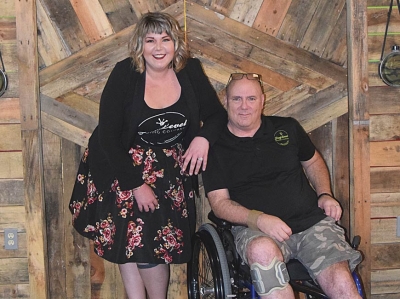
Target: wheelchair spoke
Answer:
[[205, 275]]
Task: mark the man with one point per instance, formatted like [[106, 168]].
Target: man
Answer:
[[258, 177]]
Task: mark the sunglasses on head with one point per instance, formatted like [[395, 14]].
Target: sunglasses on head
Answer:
[[249, 76], [3, 78]]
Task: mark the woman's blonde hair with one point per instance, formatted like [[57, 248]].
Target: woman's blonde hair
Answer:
[[158, 22]]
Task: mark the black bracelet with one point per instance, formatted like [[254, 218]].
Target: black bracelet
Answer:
[[322, 194]]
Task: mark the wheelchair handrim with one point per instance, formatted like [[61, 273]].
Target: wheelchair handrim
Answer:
[[3, 82]]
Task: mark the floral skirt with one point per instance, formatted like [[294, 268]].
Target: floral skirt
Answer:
[[121, 233]]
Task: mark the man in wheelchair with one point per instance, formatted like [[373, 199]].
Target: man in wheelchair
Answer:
[[265, 176]]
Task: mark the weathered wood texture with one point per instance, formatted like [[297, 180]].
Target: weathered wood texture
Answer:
[[384, 109], [359, 131], [298, 46]]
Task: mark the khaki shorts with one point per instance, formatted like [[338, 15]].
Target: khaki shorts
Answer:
[[317, 248]]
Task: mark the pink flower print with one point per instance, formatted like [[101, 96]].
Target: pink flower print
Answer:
[[85, 155], [171, 239], [123, 213], [124, 195], [81, 178], [134, 236], [137, 155]]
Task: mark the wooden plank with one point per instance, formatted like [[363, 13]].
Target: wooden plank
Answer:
[[241, 64], [80, 104], [9, 111], [10, 137], [119, 13], [385, 153], [275, 46], [67, 23], [11, 165], [270, 16], [77, 255], [93, 89], [385, 127], [32, 153], [12, 217], [50, 45], [141, 7], [54, 213], [359, 131], [245, 11], [375, 43], [177, 283], [65, 130], [385, 179], [14, 271], [385, 256], [340, 176], [92, 18], [385, 281], [7, 28], [14, 291], [373, 75], [383, 231], [386, 296], [324, 20], [385, 205], [7, 8], [100, 58], [384, 100], [11, 192], [67, 114], [297, 20], [377, 19], [336, 46], [318, 108]]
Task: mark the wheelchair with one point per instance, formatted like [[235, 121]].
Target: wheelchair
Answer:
[[217, 271]]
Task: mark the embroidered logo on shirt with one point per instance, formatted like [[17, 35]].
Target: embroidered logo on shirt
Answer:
[[281, 137]]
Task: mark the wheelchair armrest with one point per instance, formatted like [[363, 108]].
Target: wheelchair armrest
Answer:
[[218, 221]]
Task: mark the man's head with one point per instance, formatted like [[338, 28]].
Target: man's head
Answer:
[[244, 102]]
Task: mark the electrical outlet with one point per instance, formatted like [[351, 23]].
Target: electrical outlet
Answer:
[[398, 226], [10, 238]]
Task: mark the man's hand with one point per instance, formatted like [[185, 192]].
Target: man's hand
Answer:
[[330, 206], [274, 227]]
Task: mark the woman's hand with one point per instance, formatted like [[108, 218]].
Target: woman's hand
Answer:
[[330, 206], [196, 155], [145, 198]]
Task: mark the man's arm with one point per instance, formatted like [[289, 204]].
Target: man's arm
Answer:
[[318, 175], [230, 210]]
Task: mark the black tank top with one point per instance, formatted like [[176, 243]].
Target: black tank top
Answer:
[[163, 127]]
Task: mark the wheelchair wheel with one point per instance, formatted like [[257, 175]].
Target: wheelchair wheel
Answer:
[[208, 272]]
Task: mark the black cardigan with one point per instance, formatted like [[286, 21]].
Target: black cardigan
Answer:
[[121, 103]]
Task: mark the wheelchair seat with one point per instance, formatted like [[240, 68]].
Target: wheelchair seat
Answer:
[[217, 271]]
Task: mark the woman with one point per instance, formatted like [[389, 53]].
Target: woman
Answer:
[[133, 195]]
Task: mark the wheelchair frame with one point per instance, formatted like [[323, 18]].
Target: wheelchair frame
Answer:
[[217, 271]]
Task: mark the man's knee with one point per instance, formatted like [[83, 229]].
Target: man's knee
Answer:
[[267, 279], [262, 249]]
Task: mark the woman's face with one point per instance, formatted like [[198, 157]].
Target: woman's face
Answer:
[[158, 51]]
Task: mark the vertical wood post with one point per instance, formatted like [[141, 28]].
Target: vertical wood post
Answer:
[[32, 146], [357, 48]]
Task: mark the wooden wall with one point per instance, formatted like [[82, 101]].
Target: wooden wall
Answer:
[[275, 41], [384, 109], [14, 278]]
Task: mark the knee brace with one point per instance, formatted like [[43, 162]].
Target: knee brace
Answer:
[[270, 278]]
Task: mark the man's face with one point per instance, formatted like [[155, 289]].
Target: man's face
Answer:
[[244, 102]]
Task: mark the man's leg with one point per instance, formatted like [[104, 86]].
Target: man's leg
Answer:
[[337, 282], [264, 251]]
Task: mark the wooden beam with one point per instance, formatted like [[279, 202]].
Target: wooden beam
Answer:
[[359, 132], [32, 147]]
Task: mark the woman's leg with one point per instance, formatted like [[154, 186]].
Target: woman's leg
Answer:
[[156, 279], [133, 282]]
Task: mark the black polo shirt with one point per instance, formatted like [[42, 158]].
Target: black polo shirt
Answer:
[[264, 172]]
